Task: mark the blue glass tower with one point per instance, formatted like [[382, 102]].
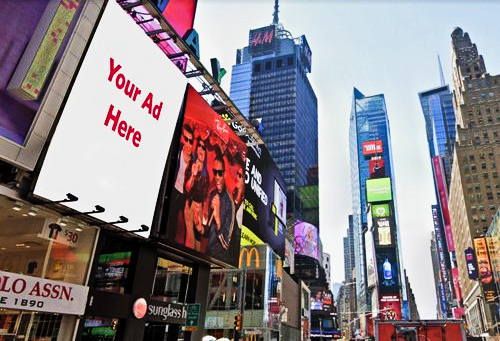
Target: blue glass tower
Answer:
[[370, 149], [437, 107], [269, 85]]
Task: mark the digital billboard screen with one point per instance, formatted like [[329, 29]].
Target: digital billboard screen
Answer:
[[111, 143], [470, 260], [306, 240], [378, 190], [384, 234], [381, 211], [372, 147], [207, 199], [390, 307], [321, 299], [484, 268], [265, 199], [377, 168], [388, 270]]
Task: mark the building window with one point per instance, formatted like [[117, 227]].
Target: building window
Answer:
[[171, 280]]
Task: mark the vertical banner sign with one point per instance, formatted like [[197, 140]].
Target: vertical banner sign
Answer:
[[443, 199], [470, 260]]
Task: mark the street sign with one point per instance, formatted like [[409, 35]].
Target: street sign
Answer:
[[193, 316]]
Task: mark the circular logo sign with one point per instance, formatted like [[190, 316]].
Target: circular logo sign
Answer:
[[139, 308]]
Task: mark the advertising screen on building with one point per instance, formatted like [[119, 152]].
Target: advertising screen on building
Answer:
[[378, 190], [484, 269], [265, 200], [388, 270], [390, 307], [383, 229], [372, 147], [111, 143], [381, 211], [439, 178], [470, 260], [377, 168], [206, 209], [261, 39], [306, 240]]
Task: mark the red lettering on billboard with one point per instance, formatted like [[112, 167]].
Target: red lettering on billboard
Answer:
[[130, 89], [124, 129], [372, 147]]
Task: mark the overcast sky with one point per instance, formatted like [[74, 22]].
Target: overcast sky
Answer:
[[379, 47]]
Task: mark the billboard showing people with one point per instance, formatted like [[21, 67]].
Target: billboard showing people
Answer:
[[264, 212], [390, 307], [206, 207], [306, 240]]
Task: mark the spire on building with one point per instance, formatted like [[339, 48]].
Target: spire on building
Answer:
[[275, 14], [441, 75]]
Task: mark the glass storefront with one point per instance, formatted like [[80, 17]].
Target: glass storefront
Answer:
[[44, 260]]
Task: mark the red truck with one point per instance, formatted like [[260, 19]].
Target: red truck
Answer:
[[420, 330]]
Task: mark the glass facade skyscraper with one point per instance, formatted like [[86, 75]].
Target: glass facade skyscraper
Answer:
[[269, 85], [371, 159], [437, 107]]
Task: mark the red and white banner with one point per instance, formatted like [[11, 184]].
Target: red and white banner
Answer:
[[372, 147], [38, 294]]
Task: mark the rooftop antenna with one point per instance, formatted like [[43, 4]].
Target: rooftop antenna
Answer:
[[441, 72], [275, 14]]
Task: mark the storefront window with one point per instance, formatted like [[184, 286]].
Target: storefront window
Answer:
[[46, 251], [224, 291], [40, 243], [171, 281], [113, 265], [254, 296]]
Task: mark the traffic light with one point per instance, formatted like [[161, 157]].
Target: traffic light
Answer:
[[237, 322]]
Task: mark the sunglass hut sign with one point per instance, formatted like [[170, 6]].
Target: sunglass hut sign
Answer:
[[114, 119]]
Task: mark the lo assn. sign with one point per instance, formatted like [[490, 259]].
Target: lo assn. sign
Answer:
[[38, 294]]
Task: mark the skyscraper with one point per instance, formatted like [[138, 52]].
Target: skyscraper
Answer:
[[474, 190], [269, 84], [374, 208], [437, 107]]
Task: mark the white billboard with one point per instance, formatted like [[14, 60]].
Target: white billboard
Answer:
[[111, 143]]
